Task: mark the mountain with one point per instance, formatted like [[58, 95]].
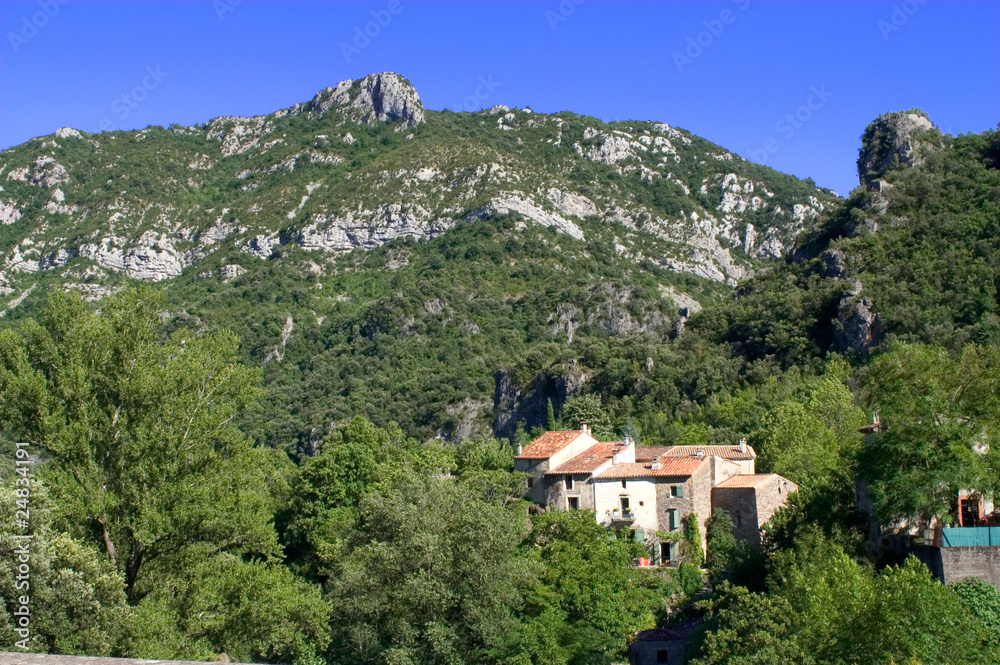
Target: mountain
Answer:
[[912, 255], [385, 259]]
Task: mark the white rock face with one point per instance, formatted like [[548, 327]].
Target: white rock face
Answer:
[[68, 132], [237, 135], [369, 228], [153, 257], [44, 172], [261, 246], [386, 97], [609, 149], [517, 202], [570, 203], [231, 272], [8, 213]]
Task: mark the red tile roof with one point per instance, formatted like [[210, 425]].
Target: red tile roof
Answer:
[[746, 481], [676, 466], [549, 444], [734, 453], [650, 453], [588, 460]]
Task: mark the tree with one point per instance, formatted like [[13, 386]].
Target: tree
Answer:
[[143, 460], [939, 418], [982, 600], [432, 574], [588, 409], [142, 453], [587, 578], [76, 596]]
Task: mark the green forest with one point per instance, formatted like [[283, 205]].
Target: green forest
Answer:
[[189, 499]]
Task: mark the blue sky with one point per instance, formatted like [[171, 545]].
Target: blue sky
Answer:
[[788, 84]]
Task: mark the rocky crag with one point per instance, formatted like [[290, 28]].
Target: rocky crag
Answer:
[[363, 163]]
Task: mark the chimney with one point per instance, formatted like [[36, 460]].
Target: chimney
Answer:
[[743, 446], [519, 450], [700, 454], [627, 452], [614, 458], [585, 428], [655, 466]]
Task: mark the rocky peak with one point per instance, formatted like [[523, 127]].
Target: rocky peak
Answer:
[[893, 138], [386, 96]]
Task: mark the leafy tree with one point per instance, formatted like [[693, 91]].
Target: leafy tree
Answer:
[[433, 573], [588, 409], [982, 600], [77, 597], [587, 578], [938, 413], [142, 451], [745, 628]]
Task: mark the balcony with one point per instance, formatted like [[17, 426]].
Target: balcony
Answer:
[[619, 516]]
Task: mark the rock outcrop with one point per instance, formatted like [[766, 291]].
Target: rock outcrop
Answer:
[[515, 405], [858, 327], [382, 97], [893, 138]]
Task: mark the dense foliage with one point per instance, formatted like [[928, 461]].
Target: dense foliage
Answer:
[[348, 503]]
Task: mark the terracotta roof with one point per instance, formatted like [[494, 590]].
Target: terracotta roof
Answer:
[[589, 460], [725, 452], [747, 481], [676, 466], [650, 453], [549, 444]]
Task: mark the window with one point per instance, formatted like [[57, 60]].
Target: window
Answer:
[[624, 502], [623, 484], [662, 656], [569, 482], [573, 503], [672, 521], [531, 481], [677, 491], [666, 553]]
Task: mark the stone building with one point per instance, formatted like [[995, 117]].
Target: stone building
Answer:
[[650, 491], [751, 500]]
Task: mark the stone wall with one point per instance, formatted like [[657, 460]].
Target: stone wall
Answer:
[[954, 564], [741, 504]]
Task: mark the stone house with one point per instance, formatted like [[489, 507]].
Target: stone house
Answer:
[[650, 491]]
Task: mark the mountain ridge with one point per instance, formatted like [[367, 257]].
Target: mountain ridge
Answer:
[[236, 182]]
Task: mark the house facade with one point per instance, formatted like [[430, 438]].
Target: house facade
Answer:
[[651, 491]]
